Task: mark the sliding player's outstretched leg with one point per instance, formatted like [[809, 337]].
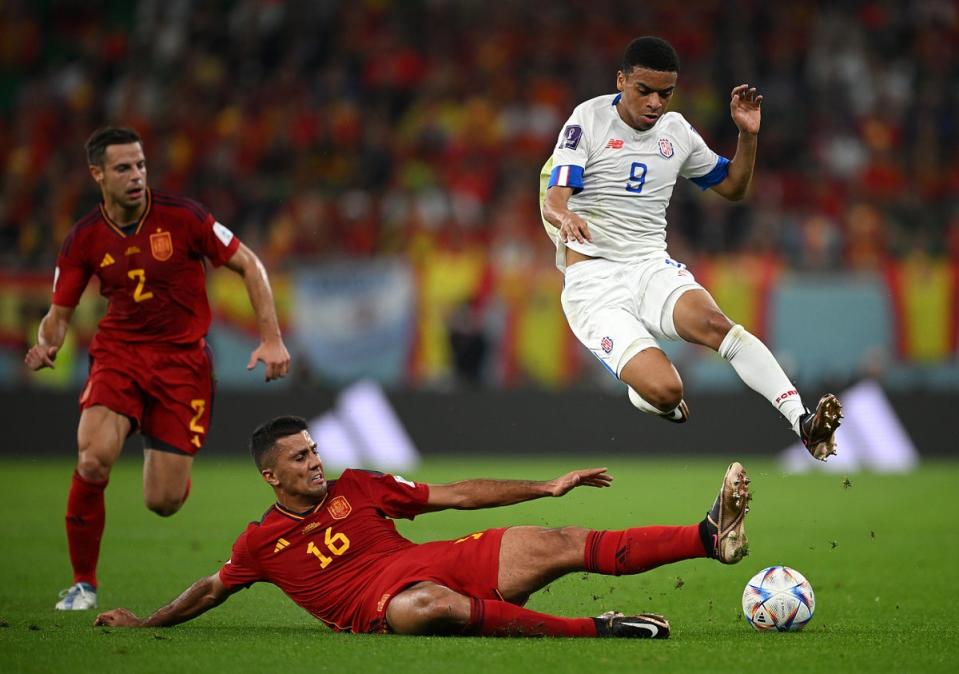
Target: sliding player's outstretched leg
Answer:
[[431, 608], [639, 626], [532, 557], [723, 531]]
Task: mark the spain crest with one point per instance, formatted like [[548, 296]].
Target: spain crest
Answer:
[[339, 508], [161, 245], [665, 148]]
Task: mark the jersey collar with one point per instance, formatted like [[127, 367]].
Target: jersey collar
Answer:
[[119, 230], [302, 515]]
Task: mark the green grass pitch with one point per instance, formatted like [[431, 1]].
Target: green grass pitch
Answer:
[[880, 554]]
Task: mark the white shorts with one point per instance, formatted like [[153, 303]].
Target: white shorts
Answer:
[[617, 309]]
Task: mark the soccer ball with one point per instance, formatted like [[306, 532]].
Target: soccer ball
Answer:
[[778, 598]]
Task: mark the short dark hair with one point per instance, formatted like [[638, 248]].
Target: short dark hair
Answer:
[[265, 436], [650, 52], [97, 143]]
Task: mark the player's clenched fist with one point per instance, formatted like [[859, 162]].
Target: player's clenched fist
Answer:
[[39, 357]]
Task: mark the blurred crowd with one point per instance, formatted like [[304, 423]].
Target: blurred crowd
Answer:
[[366, 127]]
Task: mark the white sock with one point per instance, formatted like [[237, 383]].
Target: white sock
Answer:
[[643, 405], [757, 367], [640, 403]]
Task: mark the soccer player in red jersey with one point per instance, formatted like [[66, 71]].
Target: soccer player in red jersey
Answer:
[[150, 367], [330, 546]]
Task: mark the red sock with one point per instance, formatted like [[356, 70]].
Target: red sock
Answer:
[[492, 618], [629, 551], [86, 517]]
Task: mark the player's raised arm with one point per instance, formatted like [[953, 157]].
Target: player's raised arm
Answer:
[[271, 350], [474, 494], [50, 336], [744, 108], [204, 594]]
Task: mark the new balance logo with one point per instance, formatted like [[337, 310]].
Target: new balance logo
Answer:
[[281, 545], [107, 261], [614, 144]]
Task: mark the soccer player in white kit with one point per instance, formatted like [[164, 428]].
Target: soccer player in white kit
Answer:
[[603, 196]]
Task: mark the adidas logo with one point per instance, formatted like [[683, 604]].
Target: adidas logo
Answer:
[[106, 261], [281, 544]]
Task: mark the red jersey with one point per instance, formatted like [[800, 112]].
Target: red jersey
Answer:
[[327, 559], [153, 278]]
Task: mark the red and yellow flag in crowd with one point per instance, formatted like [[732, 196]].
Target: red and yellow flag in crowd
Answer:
[[231, 305], [446, 281], [925, 298], [538, 346], [741, 285], [516, 308]]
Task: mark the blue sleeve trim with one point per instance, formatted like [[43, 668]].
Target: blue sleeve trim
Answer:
[[714, 177], [566, 176]]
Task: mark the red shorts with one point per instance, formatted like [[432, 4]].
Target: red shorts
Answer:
[[167, 391], [468, 565]]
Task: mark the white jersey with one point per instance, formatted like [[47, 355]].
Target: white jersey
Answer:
[[622, 178]]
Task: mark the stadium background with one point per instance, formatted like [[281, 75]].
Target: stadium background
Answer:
[[382, 158]]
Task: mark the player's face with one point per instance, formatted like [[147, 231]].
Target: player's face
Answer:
[[123, 176], [298, 470], [646, 95]]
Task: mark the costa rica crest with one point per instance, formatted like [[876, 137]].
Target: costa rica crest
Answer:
[[339, 508], [161, 245], [665, 148], [607, 344]]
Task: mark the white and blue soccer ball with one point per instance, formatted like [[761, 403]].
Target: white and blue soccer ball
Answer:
[[778, 598]]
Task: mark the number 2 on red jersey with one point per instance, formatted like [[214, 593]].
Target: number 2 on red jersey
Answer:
[[140, 275]]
